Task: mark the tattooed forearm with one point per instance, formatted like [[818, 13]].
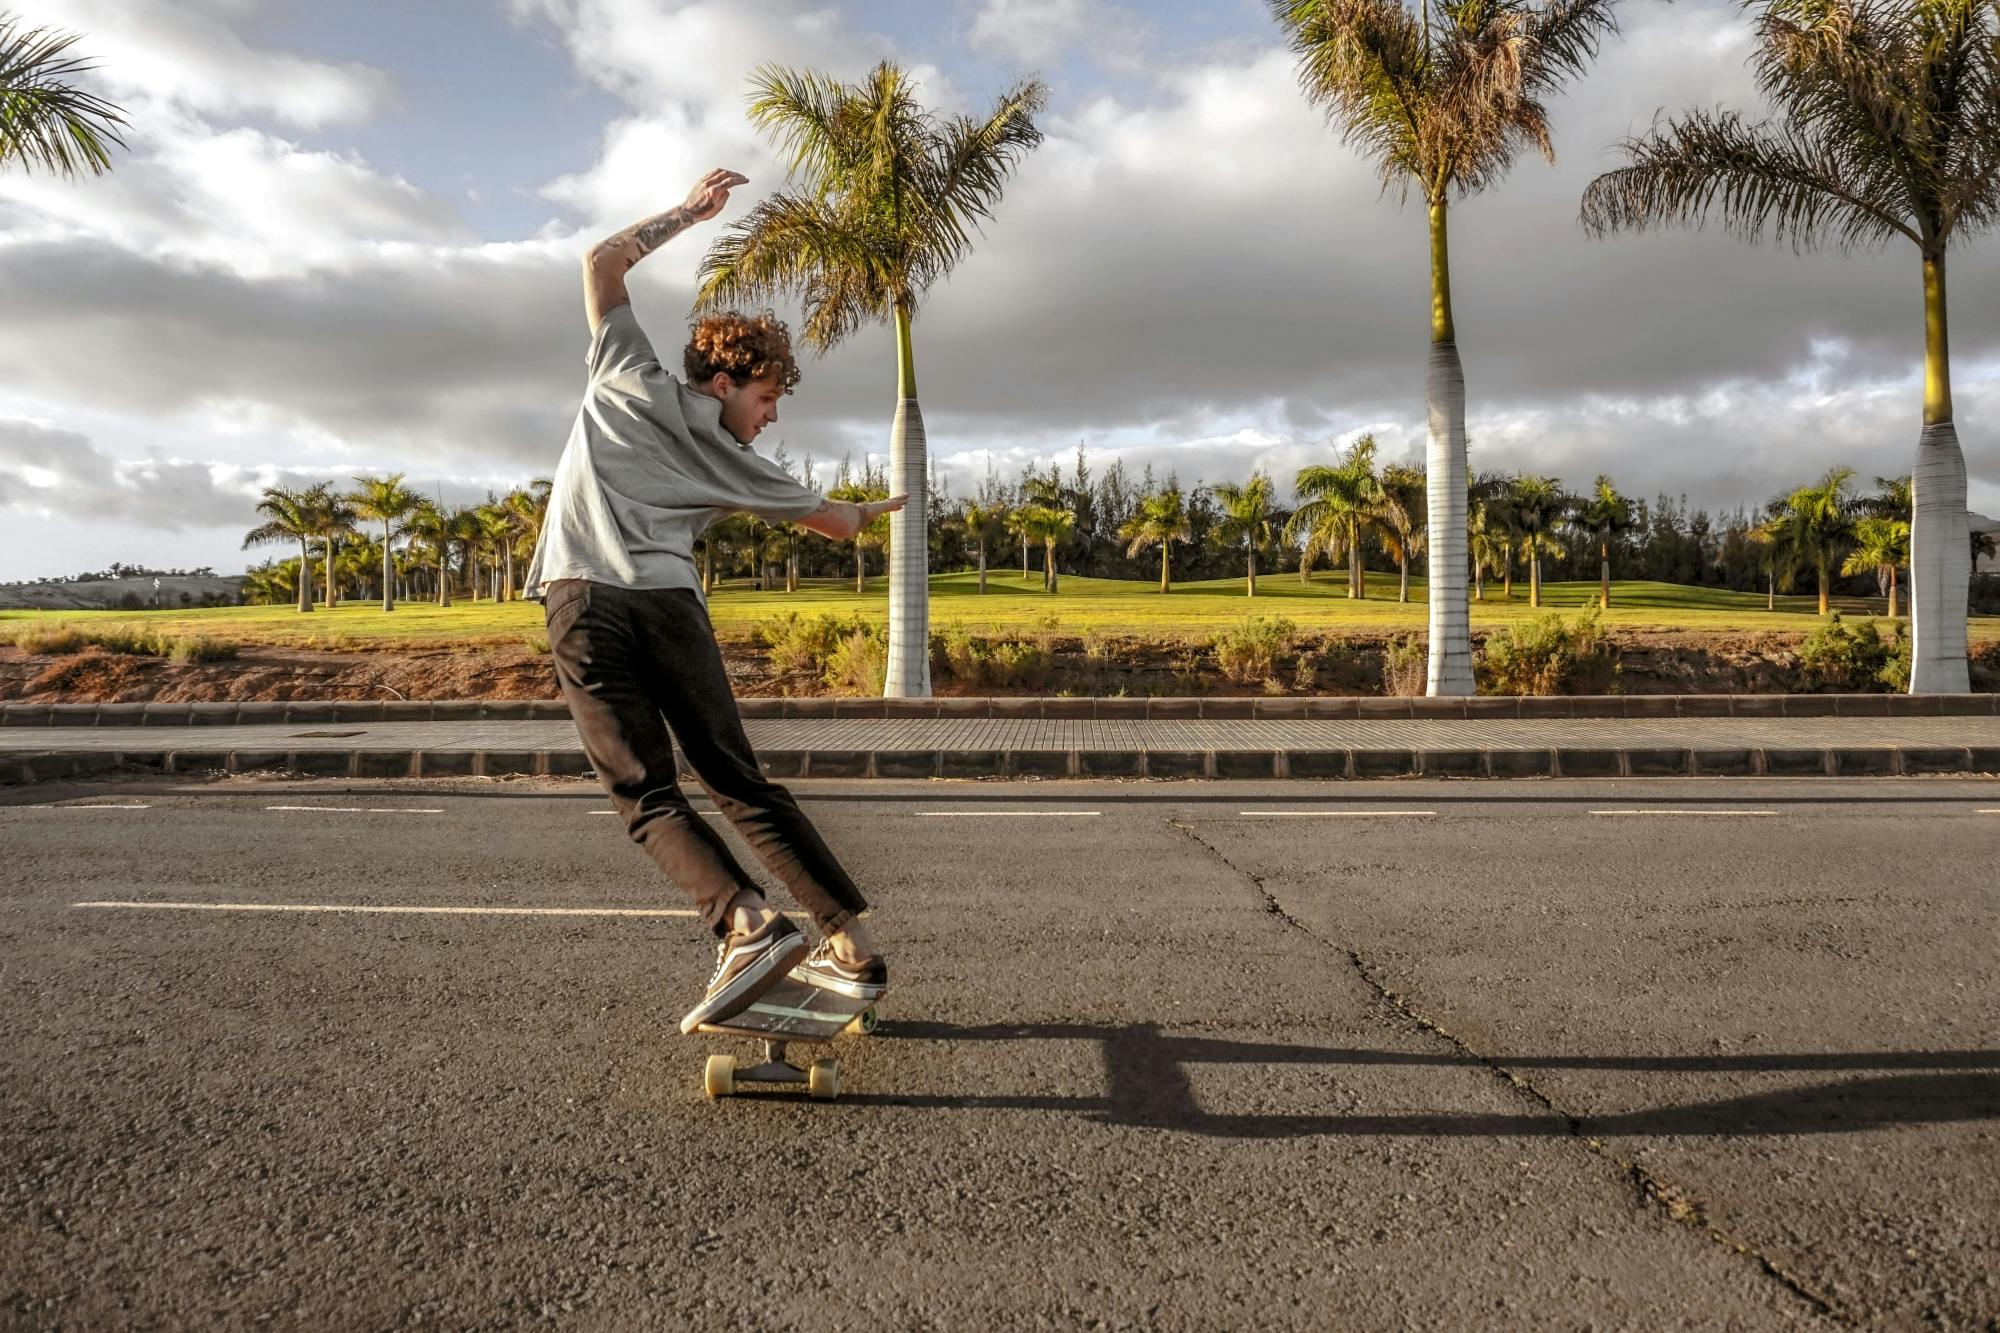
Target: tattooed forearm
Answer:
[[657, 231]]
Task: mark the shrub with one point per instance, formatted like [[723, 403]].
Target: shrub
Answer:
[[535, 641], [1842, 657], [1251, 651], [1020, 665], [192, 648], [50, 639], [1406, 666], [801, 644], [1549, 655], [858, 664]]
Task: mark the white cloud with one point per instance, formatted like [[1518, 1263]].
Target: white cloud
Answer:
[[186, 53], [1039, 32]]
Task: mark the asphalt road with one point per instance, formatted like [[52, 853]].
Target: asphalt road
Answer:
[[1163, 1055]]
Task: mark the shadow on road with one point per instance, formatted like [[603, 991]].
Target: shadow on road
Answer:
[[1147, 1071]]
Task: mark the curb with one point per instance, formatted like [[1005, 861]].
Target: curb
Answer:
[[1331, 708], [1352, 764]]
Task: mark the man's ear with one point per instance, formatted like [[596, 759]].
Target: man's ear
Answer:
[[720, 383]]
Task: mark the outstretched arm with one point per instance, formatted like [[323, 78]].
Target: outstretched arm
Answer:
[[842, 520], [607, 262]]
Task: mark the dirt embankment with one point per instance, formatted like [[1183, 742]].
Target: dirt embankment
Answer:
[[1650, 662]]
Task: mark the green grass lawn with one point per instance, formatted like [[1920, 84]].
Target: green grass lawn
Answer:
[[1110, 606]]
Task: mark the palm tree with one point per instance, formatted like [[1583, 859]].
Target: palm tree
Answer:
[[1883, 545], [1777, 555], [1246, 521], [1539, 505], [1443, 99], [983, 523], [387, 501], [1340, 508], [891, 196], [433, 524], [1402, 527], [875, 536], [289, 516], [45, 120], [1818, 523], [529, 510], [1607, 516], [1047, 526], [1491, 533], [1017, 524], [270, 583], [1889, 125], [496, 538], [1163, 518], [332, 518]]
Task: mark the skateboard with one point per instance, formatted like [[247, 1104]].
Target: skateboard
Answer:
[[791, 1011]]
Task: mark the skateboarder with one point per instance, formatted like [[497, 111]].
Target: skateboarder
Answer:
[[651, 462]]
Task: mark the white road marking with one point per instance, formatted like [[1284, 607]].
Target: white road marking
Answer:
[[394, 910], [1717, 813], [1990, 812], [90, 807], [358, 809], [1008, 814], [1327, 814]]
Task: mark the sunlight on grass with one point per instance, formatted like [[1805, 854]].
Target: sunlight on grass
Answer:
[[1105, 606]]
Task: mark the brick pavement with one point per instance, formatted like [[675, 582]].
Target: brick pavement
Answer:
[[1054, 747]]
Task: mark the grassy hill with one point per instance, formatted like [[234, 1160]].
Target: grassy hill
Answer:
[[1106, 606]]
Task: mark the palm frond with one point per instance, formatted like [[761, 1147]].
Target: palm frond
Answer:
[[800, 110], [1756, 177], [45, 119], [975, 159]]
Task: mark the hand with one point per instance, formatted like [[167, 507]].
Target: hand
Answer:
[[874, 509], [708, 197]]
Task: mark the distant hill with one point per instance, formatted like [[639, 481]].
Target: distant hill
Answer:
[[175, 591], [1980, 523]]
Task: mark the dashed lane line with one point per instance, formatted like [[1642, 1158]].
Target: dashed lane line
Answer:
[[89, 807], [390, 910], [1718, 814], [358, 809], [1009, 814], [1331, 814]]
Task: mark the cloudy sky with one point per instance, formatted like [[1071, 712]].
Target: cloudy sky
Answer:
[[345, 239]]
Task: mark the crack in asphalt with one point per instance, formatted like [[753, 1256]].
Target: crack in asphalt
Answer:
[[1678, 1205]]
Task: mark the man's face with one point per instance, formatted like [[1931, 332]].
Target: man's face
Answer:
[[748, 407]]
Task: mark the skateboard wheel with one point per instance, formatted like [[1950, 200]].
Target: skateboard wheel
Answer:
[[718, 1078], [823, 1080], [864, 1023]]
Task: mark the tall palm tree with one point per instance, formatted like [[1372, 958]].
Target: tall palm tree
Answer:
[[1163, 518], [332, 518], [387, 501], [1339, 510], [496, 538], [1881, 545], [1818, 523], [1491, 533], [1606, 516], [1539, 506], [890, 197], [1777, 555], [1443, 98], [1888, 126], [45, 119], [288, 517], [529, 510], [1246, 522], [983, 524], [1402, 527]]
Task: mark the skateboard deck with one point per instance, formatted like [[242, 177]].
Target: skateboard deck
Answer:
[[791, 1011]]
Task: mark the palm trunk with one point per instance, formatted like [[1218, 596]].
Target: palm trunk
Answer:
[[1771, 591], [982, 564], [1024, 557], [860, 569], [329, 573], [444, 577], [1353, 569], [1049, 575], [1479, 580], [1823, 602], [1450, 667], [1165, 546], [507, 583], [909, 674], [1507, 579], [707, 567], [792, 565], [1251, 577], [1940, 536], [388, 571], [1892, 592], [1604, 576], [1535, 577], [305, 576], [1403, 574]]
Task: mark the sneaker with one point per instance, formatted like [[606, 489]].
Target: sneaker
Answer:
[[745, 967], [865, 980]]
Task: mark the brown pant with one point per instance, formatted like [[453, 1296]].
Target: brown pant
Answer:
[[634, 663]]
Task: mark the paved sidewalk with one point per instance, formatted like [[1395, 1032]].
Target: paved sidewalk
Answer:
[[975, 747]]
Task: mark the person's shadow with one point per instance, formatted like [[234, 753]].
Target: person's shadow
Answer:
[[1148, 1084]]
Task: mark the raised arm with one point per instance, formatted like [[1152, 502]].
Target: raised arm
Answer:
[[606, 263]]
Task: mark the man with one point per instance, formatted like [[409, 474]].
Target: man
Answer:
[[650, 463]]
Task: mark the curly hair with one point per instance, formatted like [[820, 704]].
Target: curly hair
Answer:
[[746, 347]]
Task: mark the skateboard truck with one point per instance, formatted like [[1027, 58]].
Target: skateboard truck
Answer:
[[822, 1077]]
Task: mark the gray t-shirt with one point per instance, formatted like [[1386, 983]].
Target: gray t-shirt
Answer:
[[647, 468]]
